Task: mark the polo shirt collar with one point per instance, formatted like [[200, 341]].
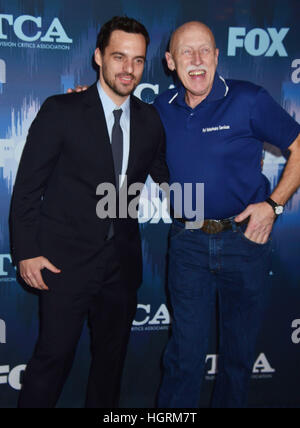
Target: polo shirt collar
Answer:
[[218, 91]]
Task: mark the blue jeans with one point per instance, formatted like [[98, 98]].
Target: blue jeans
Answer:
[[203, 268]]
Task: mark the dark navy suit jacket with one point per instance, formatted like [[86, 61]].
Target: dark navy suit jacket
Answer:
[[66, 156]]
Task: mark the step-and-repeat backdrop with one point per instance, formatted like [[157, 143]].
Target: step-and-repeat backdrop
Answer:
[[46, 46]]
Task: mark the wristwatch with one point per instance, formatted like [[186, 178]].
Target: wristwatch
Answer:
[[278, 209]]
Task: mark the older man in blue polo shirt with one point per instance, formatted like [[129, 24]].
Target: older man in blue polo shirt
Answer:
[[215, 129]]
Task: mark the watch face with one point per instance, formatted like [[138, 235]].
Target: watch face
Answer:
[[279, 209]]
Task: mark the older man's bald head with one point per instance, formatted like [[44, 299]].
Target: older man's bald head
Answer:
[[190, 27]]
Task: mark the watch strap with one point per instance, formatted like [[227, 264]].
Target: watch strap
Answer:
[[274, 205]]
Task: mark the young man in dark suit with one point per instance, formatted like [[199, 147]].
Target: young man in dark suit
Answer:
[[84, 266]]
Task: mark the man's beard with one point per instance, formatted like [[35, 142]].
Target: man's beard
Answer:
[[113, 86]]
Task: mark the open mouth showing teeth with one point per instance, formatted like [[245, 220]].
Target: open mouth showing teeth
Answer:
[[197, 73], [126, 79]]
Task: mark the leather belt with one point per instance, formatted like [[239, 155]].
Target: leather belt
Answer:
[[214, 226]]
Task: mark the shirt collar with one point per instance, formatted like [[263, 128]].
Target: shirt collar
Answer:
[[109, 106], [218, 91]]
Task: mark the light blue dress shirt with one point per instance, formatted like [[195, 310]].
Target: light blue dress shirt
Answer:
[[109, 106]]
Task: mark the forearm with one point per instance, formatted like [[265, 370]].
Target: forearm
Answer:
[[261, 215], [290, 180]]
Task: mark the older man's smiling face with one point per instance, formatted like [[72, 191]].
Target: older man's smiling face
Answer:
[[195, 58]]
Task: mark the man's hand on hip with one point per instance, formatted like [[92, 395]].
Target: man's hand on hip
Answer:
[[30, 271], [261, 221]]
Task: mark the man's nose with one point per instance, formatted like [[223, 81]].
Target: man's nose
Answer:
[[128, 66], [197, 58]]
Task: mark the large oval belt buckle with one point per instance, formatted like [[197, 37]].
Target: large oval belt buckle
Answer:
[[212, 226]]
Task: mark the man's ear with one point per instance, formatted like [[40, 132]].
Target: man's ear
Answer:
[[170, 61], [98, 57]]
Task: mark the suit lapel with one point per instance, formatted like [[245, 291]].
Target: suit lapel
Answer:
[[95, 119], [136, 137]]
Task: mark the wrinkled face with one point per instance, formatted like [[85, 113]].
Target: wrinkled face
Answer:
[[121, 64], [195, 58]]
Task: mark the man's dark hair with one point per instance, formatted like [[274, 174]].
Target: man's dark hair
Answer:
[[123, 23]]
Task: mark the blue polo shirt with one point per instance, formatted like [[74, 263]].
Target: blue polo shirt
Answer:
[[220, 142]]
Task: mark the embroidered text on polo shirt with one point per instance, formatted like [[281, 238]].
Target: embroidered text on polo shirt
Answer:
[[216, 128]]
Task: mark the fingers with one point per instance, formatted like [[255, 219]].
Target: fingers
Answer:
[[30, 271], [79, 88], [259, 236], [35, 280], [261, 219], [243, 215], [265, 238], [51, 267]]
